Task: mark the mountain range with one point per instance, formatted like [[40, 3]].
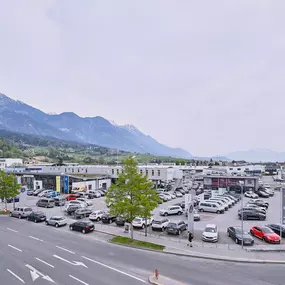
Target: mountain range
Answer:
[[16, 116], [257, 155]]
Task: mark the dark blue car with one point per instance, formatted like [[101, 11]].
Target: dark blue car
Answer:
[[10, 200], [30, 192]]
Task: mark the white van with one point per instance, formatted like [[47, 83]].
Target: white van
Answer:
[[222, 202], [211, 207], [76, 203]]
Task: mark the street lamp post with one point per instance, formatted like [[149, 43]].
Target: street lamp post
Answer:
[[241, 183]]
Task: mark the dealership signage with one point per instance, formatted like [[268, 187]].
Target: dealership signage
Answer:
[[66, 184], [189, 207]]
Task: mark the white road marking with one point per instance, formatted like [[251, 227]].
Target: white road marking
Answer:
[[14, 247], [78, 280], [46, 277], [65, 249], [45, 262], [12, 230], [70, 262], [114, 269], [35, 238], [15, 275]]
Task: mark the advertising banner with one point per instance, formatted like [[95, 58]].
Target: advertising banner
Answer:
[[65, 184], [283, 205], [57, 181]]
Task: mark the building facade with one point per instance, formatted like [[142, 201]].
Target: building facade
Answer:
[[9, 162]]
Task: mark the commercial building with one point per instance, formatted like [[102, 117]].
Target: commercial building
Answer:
[[10, 162], [229, 182]]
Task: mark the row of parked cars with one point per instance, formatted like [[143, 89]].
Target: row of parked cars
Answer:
[[254, 209]]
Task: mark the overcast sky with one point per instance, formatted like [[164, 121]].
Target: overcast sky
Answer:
[[208, 76]]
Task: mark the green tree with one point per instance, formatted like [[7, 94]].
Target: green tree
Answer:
[[8, 186], [132, 195]]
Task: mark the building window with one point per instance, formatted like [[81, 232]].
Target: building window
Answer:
[[238, 169], [146, 172], [78, 170], [89, 187], [86, 170], [113, 172], [72, 170], [158, 172], [65, 170], [141, 171], [231, 168], [117, 171], [152, 172]]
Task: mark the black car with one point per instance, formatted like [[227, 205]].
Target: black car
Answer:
[[176, 228], [30, 192], [108, 219], [251, 215], [120, 221], [37, 192], [72, 208], [101, 192], [259, 203], [82, 226], [37, 217], [277, 228], [82, 212], [182, 205], [262, 194], [249, 207], [207, 196], [235, 233]]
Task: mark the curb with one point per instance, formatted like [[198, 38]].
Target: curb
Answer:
[[152, 281], [200, 256]]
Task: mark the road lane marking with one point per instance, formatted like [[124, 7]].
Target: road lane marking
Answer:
[[35, 238], [15, 275], [78, 280], [70, 262], [62, 248], [44, 262], [14, 247], [12, 230], [34, 270], [114, 269]]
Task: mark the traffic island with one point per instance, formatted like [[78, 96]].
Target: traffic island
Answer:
[[136, 243], [162, 280], [3, 212]]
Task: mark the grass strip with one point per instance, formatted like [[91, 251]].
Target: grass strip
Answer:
[[136, 243]]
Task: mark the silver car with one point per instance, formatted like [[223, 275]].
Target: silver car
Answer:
[[56, 221], [21, 212]]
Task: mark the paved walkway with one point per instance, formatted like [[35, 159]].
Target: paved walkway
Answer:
[[179, 246], [162, 280]]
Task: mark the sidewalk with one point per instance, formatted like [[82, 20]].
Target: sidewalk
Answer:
[[163, 281], [225, 252]]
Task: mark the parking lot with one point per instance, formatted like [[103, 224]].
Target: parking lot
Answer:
[[223, 221]]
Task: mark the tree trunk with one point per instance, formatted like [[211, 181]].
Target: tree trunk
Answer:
[[145, 229], [132, 231], [14, 203]]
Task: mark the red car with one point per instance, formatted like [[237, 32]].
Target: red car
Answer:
[[265, 234], [70, 197]]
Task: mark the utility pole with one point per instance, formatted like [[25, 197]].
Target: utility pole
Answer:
[[241, 185]]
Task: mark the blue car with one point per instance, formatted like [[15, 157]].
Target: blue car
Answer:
[[52, 194], [30, 192], [10, 200]]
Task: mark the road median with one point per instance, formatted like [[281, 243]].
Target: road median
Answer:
[[136, 243]]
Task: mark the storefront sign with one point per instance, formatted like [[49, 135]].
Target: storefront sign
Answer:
[[66, 184]]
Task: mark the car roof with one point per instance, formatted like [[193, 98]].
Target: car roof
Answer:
[[211, 226]]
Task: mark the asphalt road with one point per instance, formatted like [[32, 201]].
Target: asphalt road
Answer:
[[58, 255]]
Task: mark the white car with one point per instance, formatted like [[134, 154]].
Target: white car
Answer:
[[178, 194], [210, 233], [171, 210], [96, 215], [75, 202], [168, 196], [159, 224], [88, 202], [141, 222], [173, 196], [251, 194]]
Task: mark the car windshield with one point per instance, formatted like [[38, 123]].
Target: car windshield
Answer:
[[137, 220], [267, 230], [210, 230], [157, 222], [88, 223], [239, 232], [172, 225]]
